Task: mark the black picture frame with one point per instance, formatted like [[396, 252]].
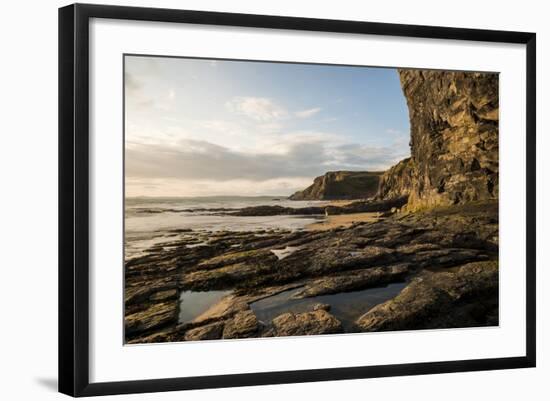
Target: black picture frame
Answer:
[[74, 200]]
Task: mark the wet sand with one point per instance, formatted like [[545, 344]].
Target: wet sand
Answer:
[[343, 220], [343, 202]]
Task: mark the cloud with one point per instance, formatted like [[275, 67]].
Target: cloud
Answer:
[[263, 109], [134, 93], [241, 187], [136, 96], [307, 113], [131, 83], [195, 159], [201, 160], [257, 108]]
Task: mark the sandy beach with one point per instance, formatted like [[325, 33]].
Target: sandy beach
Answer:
[[343, 220], [344, 202]]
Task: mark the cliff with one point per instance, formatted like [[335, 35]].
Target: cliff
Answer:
[[454, 139], [397, 181], [341, 185]]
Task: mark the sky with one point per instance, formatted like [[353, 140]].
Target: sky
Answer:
[[200, 127]]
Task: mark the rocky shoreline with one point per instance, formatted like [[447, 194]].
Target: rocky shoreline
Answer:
[[448, 257], [435, 242], [359, 206]]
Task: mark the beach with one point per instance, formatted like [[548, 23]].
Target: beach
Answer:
[[242, 276], [344, 220]]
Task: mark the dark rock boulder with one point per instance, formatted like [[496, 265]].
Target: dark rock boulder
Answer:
[[243, 325], [212, 331], [307, 323], [321, 306], [353, 281], [465, 296], [155, 316]]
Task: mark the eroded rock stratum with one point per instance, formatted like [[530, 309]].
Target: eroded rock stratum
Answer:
[[454, 137]]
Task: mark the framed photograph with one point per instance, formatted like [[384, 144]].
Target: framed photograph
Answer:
[[251, 199]]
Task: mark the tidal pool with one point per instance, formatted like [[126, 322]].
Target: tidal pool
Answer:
[[345, 306], [194, 303]]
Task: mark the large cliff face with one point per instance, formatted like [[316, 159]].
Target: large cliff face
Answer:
[[341, 185], [454, 136], [397, 181]]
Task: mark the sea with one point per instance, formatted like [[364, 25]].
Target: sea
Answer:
[[149, 220], [160, 221]]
